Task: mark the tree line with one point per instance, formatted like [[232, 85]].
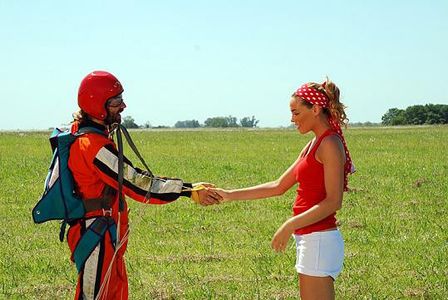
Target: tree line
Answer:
[[417, 115], [412, 115], [213, 122]]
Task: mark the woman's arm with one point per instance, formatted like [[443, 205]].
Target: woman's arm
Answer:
[[265, 190]]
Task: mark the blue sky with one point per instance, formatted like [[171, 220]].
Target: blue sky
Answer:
[[183, 60]]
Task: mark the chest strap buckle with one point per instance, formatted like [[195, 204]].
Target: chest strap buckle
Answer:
[[107, 212]]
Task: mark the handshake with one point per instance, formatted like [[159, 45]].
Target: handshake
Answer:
[[205, 194]]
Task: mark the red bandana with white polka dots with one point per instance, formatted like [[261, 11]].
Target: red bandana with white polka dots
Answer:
[[314, 96]]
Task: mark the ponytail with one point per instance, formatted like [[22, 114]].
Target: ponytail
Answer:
[[335, 108]]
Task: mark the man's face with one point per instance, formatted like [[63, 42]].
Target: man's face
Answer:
[[114, 107]]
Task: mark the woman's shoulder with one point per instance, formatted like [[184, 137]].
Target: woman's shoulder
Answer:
[[330, 145], [332, 140]]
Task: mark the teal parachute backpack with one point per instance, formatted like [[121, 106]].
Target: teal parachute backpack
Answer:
[[59, 200]]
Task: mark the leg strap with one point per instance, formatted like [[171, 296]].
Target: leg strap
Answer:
[[91, 238]]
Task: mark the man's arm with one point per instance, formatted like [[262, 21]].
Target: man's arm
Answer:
[[137, 184]]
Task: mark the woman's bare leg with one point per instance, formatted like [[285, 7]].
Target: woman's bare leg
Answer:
[[319, 288]]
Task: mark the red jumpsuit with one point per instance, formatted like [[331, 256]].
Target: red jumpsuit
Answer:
[[94, 163]]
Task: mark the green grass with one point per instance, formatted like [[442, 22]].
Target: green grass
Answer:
[[394, 221]]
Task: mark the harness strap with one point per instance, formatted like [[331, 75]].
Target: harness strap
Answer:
[[105, 202], [92, 237], [119, 130], [134, 148], [120, 169]]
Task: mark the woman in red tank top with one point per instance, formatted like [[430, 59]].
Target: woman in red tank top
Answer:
[[321, 174]]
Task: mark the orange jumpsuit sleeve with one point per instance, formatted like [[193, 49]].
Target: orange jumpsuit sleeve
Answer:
[[137, 184]]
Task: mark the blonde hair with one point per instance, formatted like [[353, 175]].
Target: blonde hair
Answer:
[[80, 116], [335, 108]]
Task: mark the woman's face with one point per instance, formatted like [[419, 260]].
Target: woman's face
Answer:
[[302, 116]]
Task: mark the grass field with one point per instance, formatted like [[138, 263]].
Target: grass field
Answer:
[[394, 222]]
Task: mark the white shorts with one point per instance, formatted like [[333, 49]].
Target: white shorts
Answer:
[[320, 253]]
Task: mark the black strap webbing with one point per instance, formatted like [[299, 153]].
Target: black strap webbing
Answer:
[[134, 148], [120, 169], [105, 202], [121, 129]]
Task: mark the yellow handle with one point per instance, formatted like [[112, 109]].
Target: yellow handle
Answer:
[[195, 194]]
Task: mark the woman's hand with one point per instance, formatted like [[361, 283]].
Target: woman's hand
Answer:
[[281, 237], [203, 194], [223, 194]]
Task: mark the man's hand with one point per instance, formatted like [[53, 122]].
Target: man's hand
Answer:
[[204, 184], [202, 194]]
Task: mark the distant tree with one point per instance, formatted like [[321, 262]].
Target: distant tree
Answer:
[[433, 117], [436, 114], [364, 124], [394, 116], [147, 125], [129, 122], [249, 122], [187, 124], [443, 113], [232, 121], [221, 122], [417, 115], [216, 122]]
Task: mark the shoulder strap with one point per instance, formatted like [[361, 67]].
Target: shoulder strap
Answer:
[[121, 129], [134, 148], [88, 129], [306, 149]]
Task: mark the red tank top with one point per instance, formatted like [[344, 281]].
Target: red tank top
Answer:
[[309, 174]]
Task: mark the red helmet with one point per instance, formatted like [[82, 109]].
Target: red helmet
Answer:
[[95, 89]]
